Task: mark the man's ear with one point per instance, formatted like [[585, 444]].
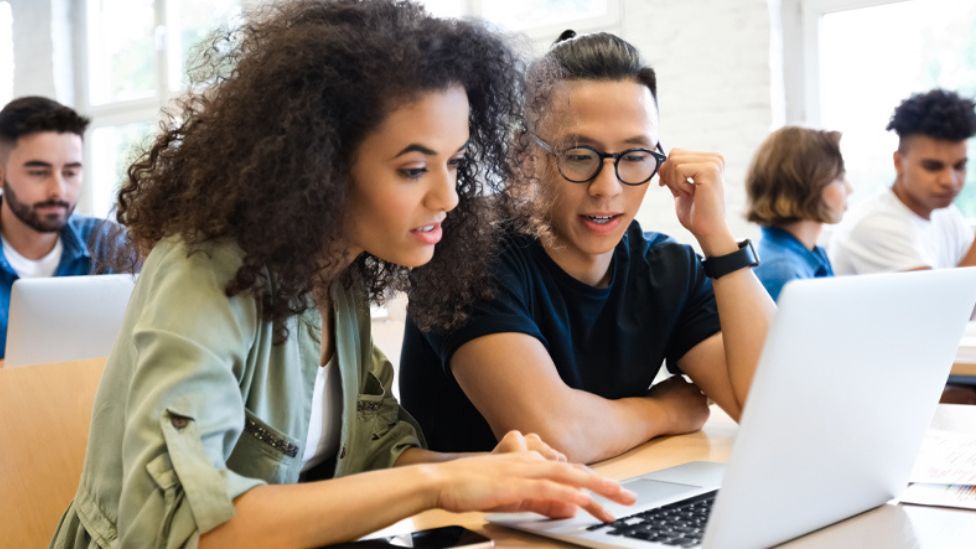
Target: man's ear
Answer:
[[898, 159]]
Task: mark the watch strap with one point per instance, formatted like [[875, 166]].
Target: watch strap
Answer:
[[722, 265]]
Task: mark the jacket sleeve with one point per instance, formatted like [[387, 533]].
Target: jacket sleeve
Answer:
[[390, 429], [184, 411]]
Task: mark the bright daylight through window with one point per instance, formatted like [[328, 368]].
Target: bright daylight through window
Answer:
[[872, 58]]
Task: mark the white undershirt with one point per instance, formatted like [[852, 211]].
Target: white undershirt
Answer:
[[325, 423], [29, 268], [885, 235]]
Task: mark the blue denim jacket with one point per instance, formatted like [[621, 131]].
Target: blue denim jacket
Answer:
[[83, 238], [784, 258]]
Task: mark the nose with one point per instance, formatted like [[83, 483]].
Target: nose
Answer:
[[443, 196], [950, 177], [56, 185], [605, 183]]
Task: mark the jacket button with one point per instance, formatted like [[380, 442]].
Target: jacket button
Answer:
[[179, 422], [342, 452]]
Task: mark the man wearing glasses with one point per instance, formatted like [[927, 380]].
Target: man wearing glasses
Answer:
[[584, 315]]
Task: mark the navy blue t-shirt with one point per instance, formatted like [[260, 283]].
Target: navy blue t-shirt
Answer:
[[608, 341]]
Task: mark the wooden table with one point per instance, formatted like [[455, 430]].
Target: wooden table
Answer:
[[965, 363], [45, 411], [889, 526]]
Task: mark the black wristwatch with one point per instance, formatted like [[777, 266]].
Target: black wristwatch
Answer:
[[722, 265]]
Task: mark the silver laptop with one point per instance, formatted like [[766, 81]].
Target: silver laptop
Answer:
[[848, 381], [54, 319]]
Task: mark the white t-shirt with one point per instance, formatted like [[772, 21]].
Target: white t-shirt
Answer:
[[884, 235], [29, 268], [325, 423]]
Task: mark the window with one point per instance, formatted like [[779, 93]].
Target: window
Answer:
[[869, 56], [6, 54], [134, 62]]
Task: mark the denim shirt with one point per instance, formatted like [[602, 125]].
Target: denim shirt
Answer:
[[784, 258], [198, 405], [76, 258]]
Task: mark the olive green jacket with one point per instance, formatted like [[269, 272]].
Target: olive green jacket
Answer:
[[197, 405]]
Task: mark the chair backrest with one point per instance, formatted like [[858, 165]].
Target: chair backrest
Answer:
[[54, 319], [45, 412]]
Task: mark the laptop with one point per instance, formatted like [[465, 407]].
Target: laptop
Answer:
[[848, 381], [53, 319]]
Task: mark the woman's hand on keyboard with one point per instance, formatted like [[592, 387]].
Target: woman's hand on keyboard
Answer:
[[523, 481]]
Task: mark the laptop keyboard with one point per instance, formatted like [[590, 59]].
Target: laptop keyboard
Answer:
[[681, 523]]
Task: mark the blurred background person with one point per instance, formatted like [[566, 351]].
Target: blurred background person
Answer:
[[795, 184]]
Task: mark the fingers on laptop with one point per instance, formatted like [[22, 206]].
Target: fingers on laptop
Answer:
[[515, 441], [576, 483], [525, 481]]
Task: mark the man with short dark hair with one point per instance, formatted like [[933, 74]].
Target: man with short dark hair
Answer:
[[41, 170], [915, 225]]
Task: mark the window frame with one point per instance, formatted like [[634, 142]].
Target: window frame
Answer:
[[112, 113], [800, 20], [116, 113]]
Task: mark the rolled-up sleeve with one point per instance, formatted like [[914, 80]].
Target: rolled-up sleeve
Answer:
[[184, 410], [393, 429]]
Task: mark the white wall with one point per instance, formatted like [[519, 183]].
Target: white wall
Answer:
[[43, 51], [715, 93]]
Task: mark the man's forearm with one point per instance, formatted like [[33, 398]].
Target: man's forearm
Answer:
[[745, 311], [589, 428]]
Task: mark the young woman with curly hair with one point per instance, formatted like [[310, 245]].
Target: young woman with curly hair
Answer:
[[336, 144]]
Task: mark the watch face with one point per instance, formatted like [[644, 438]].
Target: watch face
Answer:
[[745, 256]]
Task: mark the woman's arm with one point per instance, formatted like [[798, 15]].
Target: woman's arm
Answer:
[[318, 513]]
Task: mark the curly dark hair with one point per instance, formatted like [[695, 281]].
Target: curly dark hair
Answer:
[[938, 113], [262, 153], [33, 114]]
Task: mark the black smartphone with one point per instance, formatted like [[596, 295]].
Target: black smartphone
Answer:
[[435, 538]]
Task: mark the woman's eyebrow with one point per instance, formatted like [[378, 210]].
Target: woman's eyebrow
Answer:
[[416, 147]]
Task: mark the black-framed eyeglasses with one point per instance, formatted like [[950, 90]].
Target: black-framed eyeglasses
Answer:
[[583, 163]]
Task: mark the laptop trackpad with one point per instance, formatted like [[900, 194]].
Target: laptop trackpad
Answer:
[[648, 492]]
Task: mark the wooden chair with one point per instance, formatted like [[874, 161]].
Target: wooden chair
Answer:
[[44, 420]]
